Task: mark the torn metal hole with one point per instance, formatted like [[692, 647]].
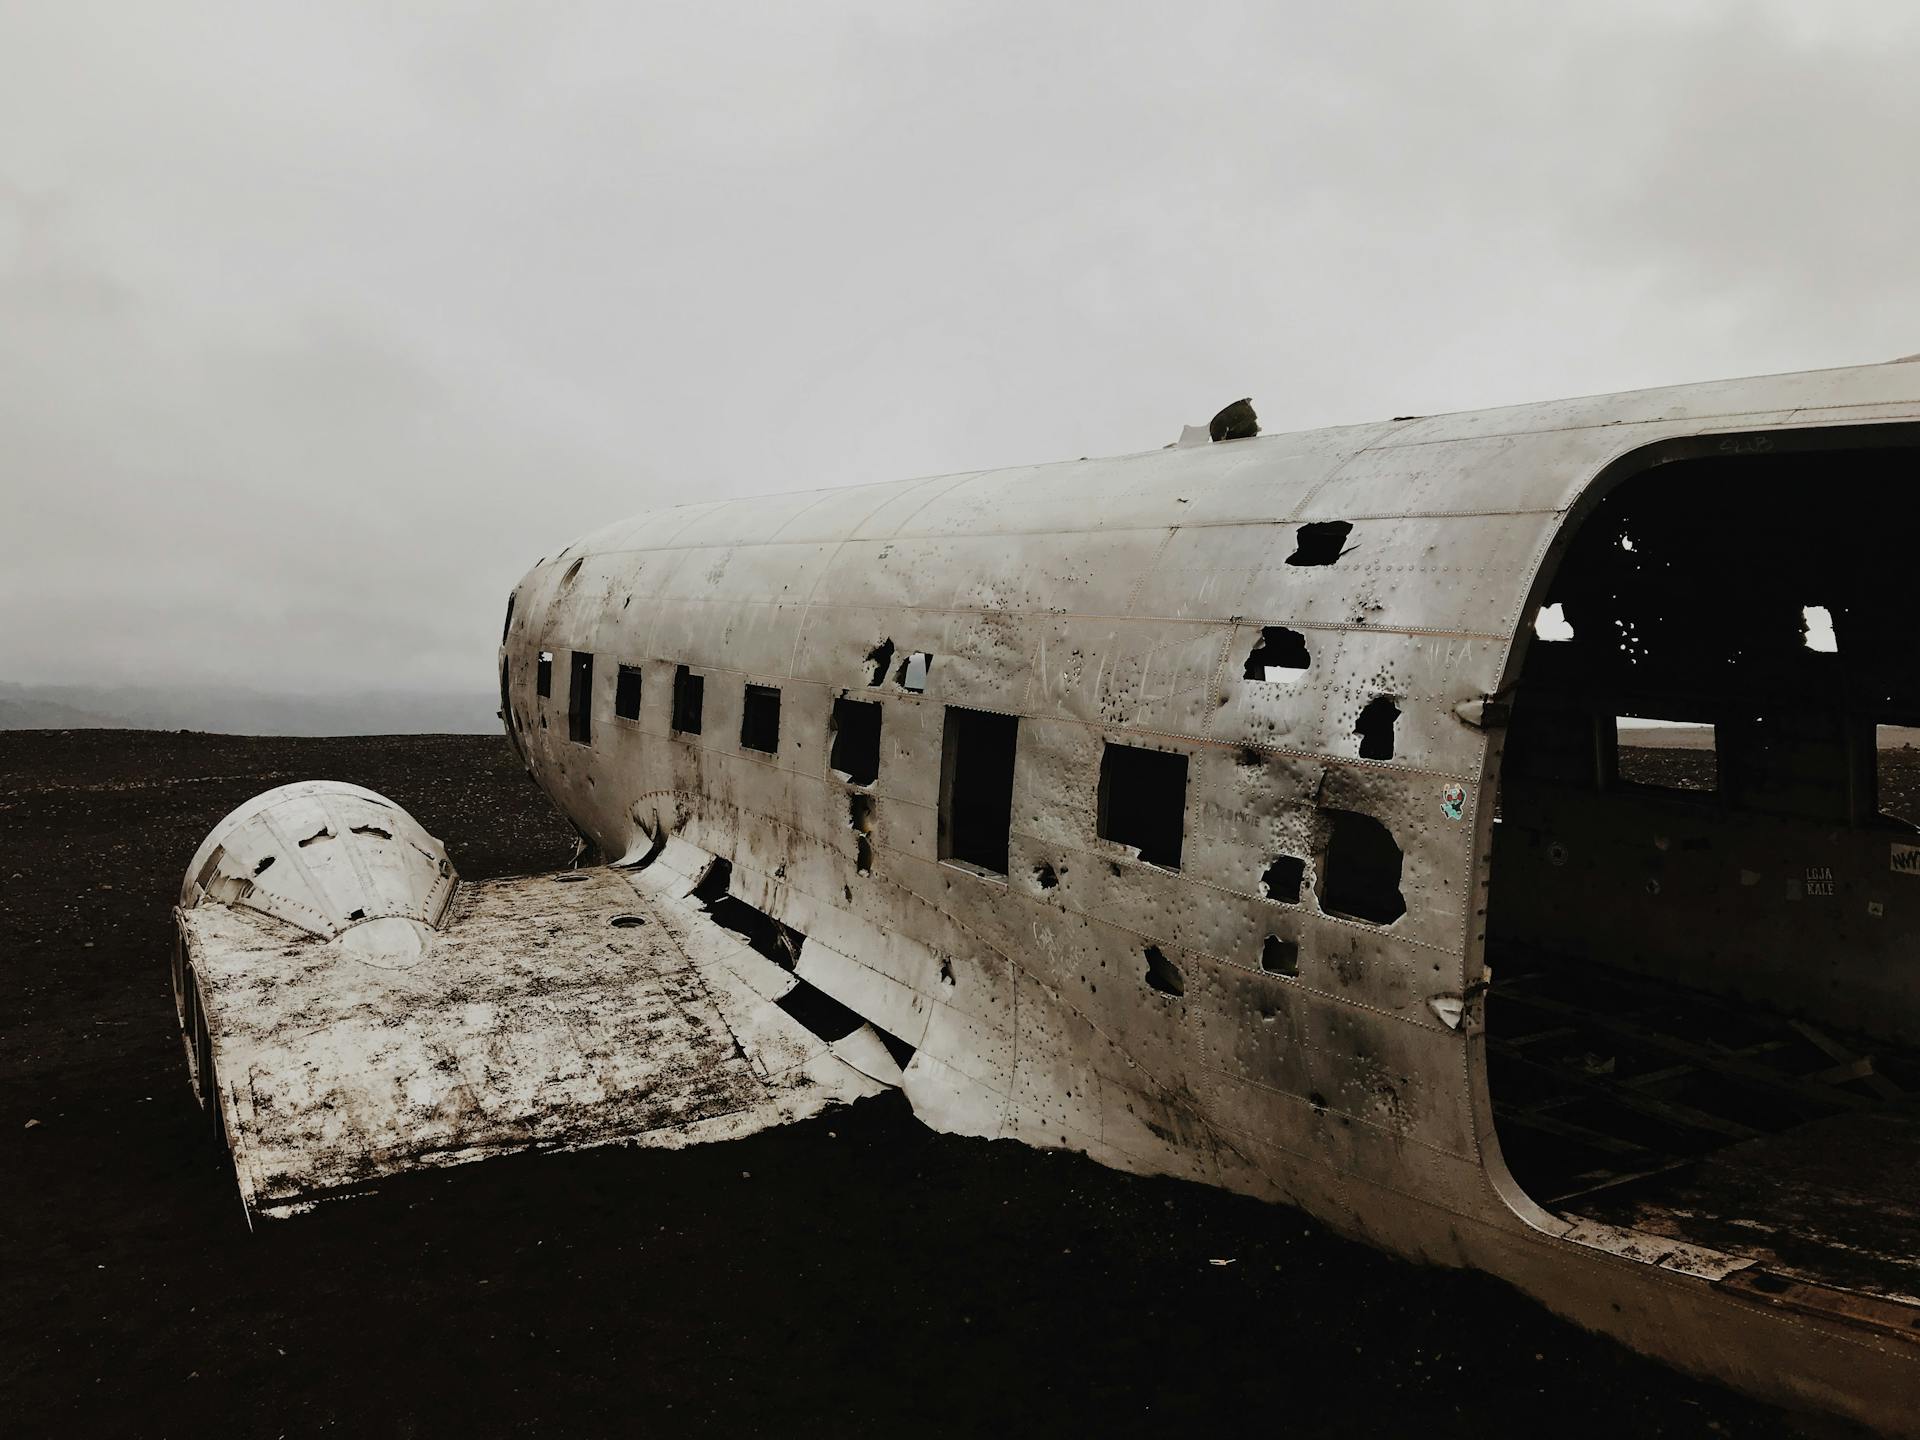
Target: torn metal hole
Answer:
[[1375, 728], [880, 657], [1162, 974], [1283, 878], [860, 820], [1279, 654], [899, 1049], [913, 672], [1816, 629], [266, 864], [1551, 624], [374, 830], [1320, 543], [568, 879], [1360, 879], [1280, 957], [778, 942], [1046, 878], [356, 915], [323, 833]]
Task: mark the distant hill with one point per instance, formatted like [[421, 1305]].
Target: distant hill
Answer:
[[1700, 737], [230, 710], [26, 712]]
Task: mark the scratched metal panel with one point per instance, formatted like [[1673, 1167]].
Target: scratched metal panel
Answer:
[[834, 643], [1317, 709], [832, 515], [1463, 574], [1245, 480], [1756, 400], [1536, 471], [728, 636], [1154, 675], [1089, 574], [900, 509]]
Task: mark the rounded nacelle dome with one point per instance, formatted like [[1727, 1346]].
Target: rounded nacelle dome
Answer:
[[330, 858]]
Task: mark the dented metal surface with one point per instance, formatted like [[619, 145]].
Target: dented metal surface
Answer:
[[1295, 1011]]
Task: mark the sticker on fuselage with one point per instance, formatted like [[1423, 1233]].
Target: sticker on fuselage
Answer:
[[1453, 801], [1905, 860]]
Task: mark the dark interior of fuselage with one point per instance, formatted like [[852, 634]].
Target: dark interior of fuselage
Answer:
[[1704, 915]]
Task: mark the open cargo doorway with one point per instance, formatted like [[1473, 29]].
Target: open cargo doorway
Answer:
[[1704, 907]]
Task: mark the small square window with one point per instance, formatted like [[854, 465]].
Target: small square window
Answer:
[[760, 719], [1143, 802], [626, 692], [543, 676], [689, 691]]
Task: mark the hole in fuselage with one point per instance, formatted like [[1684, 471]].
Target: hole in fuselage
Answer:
[[1697, 1025], [1320, 543], [1279, 654], [1162, 974]]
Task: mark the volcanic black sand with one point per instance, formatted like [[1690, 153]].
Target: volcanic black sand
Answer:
[[853, 1275]]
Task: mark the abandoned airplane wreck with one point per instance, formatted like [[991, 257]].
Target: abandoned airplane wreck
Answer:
[[1254, 811]]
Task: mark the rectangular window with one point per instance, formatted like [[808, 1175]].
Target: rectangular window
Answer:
[[689, 691], [626, 692], [543, 675], [1660, 754], [580, 699], [1143, 801], [760, 719], [856, 741], [976, 787], [1789, 761], [1896, 754]]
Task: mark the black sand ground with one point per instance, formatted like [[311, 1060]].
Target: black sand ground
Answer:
[[854, 1275]]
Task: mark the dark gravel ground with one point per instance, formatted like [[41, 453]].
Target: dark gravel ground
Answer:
[[853, 1275]]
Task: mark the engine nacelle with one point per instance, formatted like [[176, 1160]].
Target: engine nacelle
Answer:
[[333, 860]]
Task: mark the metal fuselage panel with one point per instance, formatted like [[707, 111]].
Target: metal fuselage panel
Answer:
[[1118, 602]]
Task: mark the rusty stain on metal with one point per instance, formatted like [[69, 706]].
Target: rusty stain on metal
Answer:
[[1083, 997]]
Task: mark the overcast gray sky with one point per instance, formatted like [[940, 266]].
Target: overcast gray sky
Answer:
[[320, 322]]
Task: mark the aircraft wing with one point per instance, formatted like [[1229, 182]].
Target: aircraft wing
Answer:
[[352, 1010]]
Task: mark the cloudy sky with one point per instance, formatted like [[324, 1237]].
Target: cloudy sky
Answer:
[[319, 323]]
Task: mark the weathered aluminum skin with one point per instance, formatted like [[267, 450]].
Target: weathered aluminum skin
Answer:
[[1117, 600]]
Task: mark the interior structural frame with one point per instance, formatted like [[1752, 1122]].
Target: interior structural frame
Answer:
[[1807, 441]]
